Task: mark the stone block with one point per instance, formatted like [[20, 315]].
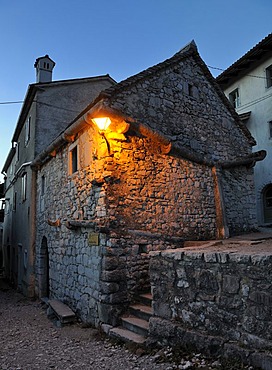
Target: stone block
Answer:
[[193, 255], [107, 288], [255, 342], [233, 351], [261, 360], [160, 328], [210, 257], [240, 258], [109, 314], [113, 276], [208, 282], [231, 284], [162, 310], [111, 263], [81, 270], [204, 343]]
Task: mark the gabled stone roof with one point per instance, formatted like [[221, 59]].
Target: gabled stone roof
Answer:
[[252, 58]]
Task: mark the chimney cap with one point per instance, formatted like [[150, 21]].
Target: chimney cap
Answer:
[[46, 56]]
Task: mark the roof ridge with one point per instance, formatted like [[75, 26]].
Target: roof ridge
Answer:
[[188, 50], [70, 80]]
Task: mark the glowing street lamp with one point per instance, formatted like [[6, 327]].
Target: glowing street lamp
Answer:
[[102, 123]]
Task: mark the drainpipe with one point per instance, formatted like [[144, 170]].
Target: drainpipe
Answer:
[[32, 239], [222, 229], [17, 174]]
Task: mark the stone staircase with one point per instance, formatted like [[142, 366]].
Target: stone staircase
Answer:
[[135, 323]]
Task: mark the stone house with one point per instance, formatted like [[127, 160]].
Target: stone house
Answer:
[[248, 85], [154, 160], [44, 115]]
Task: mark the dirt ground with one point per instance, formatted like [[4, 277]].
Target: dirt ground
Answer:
[[29, 340]]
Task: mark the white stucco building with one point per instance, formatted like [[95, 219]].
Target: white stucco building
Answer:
[[248, 85]]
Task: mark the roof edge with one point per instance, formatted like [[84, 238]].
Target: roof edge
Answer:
[[262, 48], [32, 88]]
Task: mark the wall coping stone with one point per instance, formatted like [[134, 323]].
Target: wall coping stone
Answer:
[[238, 249]]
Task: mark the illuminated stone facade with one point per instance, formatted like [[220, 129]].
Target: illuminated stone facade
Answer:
[[156, 177]]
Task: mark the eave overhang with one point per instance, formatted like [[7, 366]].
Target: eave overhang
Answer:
[[255, 56]]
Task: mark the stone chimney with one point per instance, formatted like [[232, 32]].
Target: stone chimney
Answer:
[[44, 68]]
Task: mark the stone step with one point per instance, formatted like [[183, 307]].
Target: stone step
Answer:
[[145, 298], [126, 335], [61, 310], [141, 311], [136, 325]]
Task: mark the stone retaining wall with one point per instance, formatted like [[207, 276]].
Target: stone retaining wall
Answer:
[[215, 301]]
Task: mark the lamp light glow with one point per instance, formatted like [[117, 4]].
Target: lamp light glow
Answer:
[[102, 123]]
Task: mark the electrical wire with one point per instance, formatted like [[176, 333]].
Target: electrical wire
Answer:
[[55, 106], [12, 102], [73, 111], [39, 102], [223, 70], [249, 104]]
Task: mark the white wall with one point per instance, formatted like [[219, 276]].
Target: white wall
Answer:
[[257, 98]]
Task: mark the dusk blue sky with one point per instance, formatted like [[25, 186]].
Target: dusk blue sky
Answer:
[[120, 37]]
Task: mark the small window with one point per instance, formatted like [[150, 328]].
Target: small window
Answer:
[[267, 202], [24, 184], [268, 197], [234, 98], [14, 201], [25, 259], [27, 130], [268, 76], [270, 129], [42, 186], [190, 90], [18, 152], [73, 159]]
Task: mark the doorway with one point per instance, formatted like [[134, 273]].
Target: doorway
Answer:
[[20, 267], [267, 204], [44, 269]]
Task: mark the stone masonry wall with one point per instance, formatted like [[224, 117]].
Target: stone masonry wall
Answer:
[[216, 299], [240, 202], [144, 200], [180, 103], [158, 202], [75, 265]]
